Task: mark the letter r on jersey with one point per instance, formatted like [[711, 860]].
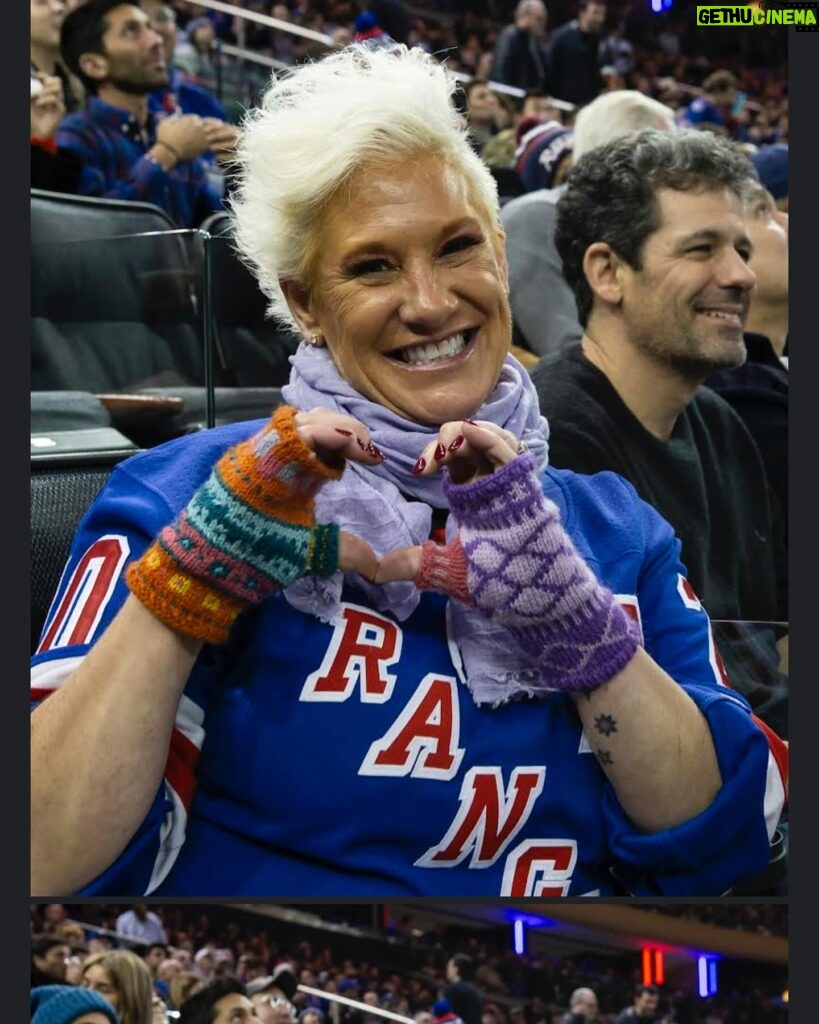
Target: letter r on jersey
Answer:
[[361, 648]]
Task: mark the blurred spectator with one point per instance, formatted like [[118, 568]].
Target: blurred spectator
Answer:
[[393, 16], [154, 954], [520, 51], [64, 1004], [644, 1007], [544, 155], [460, 989], [713, 108], [125, 152], [222, 1001], [141, 924], [543, 306], [758, 388], [204, 963], [167, 970], [48, 960], [582, 1007], [122, 978], [46, 20], [617, 51], [196, 54], [183, 987], [484, 112], [771, 163], [574, 62], [442, 1013], [52, 168]]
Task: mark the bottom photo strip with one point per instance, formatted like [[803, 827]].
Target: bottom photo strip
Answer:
[[465, 962]]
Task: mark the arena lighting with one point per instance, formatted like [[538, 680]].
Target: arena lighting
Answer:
[[653, 966], [707, 976], [519, 933]]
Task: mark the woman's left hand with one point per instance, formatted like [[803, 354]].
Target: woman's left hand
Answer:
[[470, 449]]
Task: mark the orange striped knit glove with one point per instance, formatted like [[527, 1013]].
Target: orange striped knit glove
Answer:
[[247, 531]]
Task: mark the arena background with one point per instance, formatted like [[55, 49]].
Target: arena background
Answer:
[[528, 958]]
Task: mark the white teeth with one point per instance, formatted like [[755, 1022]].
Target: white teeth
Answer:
[[720, 315], [418, 355]]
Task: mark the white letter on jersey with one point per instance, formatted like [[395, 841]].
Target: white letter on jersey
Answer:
[[540, 867], [423, 741], [362, 646], [88, 592], [486, 822]]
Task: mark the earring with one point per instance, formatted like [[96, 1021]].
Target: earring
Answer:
[[314, 340]]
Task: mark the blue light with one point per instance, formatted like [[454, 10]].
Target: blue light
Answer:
[[656, 6], [702, 977], [518, 927], [707, 976]]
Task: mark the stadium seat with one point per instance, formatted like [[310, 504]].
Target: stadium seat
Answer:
[[63, 486], [251, 350], [61, 217]]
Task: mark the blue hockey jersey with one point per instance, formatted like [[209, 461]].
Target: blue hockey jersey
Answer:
[[311, 759]]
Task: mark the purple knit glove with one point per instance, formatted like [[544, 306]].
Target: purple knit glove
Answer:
[[513, 561]]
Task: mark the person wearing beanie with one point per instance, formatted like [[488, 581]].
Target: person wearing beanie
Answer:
[[771, 163], [65, 1004], [544, 154]]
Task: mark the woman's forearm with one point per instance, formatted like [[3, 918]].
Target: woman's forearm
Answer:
[[99, 746], [653, 743]]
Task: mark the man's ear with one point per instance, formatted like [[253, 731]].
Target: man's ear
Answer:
[[298, 299], [604, 269], [94, 65]]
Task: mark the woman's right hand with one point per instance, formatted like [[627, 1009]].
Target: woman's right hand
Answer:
[[335, 438]]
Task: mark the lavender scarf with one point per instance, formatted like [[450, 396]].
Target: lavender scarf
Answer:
[[370, 502]]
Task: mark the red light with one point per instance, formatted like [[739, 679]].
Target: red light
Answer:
[[647, 967], [659, 971]]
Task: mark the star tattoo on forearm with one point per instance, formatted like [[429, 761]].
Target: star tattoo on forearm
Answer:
[[604, 757], [605, 724]]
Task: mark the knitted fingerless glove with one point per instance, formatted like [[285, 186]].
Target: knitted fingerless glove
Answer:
[[247, 531], [513, 560]]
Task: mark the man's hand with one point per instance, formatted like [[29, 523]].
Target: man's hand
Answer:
[[222, 138], [185, 134]]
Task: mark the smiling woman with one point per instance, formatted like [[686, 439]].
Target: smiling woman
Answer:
[[376, 645]]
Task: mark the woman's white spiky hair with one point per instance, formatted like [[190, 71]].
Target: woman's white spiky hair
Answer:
[[317, 124]]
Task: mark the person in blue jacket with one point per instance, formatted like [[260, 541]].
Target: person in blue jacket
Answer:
[[376, 645]]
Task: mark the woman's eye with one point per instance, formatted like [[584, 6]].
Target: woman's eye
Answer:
[[459, 244], [372, 265]]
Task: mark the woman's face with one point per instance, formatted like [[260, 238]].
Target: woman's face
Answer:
[[97, 978], [409, 291]]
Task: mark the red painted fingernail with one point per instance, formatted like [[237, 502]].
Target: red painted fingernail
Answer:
[[346, 433], [440, 452], [420, 466], [456, 444]]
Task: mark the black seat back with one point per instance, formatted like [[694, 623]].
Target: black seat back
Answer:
[[62, 217], [62, 490]]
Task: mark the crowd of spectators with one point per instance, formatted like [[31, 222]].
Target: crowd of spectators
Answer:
[[562, 54], [205, 943]]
